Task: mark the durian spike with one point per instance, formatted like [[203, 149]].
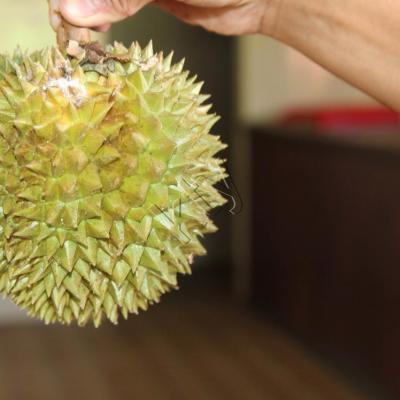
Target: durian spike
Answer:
[[64, 30]]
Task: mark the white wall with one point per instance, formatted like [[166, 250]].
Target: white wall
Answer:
[[11, 313], [272, 78]]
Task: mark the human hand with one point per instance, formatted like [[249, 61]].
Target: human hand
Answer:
[[227, 17]]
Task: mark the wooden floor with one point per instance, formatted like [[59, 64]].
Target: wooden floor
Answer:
[[194, 345]]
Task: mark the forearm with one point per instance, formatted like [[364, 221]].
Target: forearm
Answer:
[[358, 40]]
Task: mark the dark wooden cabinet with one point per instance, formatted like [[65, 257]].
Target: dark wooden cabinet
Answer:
[[326, 242]]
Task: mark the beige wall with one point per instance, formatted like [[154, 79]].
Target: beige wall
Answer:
[[272, 78], [24, 23]]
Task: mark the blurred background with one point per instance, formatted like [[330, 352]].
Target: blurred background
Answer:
[[298, 297]]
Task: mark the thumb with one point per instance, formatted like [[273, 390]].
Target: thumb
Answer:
[[93, 13]]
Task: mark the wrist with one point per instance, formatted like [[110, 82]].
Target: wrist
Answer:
[[270, 18], [292, 20], [346, 38]]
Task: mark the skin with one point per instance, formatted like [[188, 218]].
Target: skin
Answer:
[[358, 40]]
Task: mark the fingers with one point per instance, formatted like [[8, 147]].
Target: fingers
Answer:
[[184, 12], [213, 3], [99, 13], [102, 28], [227, 17], [236, 19], [206, 17]]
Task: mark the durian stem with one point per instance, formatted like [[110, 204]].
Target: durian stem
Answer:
[[67, 32], [64, 30]]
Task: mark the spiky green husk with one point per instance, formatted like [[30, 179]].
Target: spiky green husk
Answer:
[[106, 180]]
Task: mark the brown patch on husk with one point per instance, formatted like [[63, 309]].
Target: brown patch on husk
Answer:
[[93, 53]]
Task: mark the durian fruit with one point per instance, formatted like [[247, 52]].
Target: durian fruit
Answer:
[[107, 174]]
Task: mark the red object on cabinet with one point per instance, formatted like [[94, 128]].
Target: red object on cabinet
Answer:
[[342, 117]]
